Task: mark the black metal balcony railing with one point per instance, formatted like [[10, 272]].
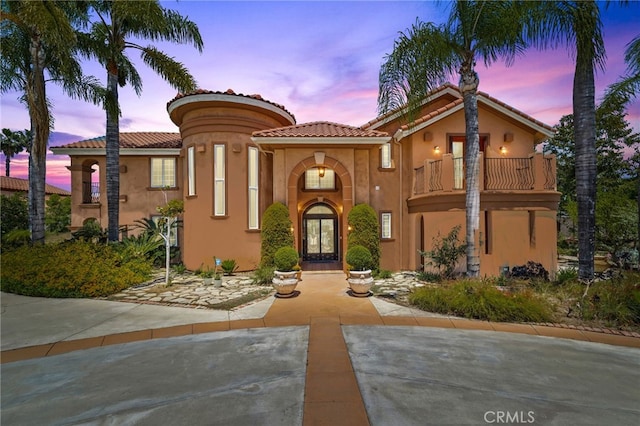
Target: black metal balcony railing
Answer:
[[509, 173], [536, 172], [90, 192], [549, 174], [435, 175]]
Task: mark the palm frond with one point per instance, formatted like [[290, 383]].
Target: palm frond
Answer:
[[174, 72], [422, 59]]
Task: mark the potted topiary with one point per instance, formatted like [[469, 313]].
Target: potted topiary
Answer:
[[285, 280], [360, 280]]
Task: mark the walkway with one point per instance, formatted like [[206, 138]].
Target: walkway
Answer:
[[362, 364]]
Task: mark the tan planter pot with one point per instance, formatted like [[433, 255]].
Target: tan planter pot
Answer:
[[285, 283], [360, 283]]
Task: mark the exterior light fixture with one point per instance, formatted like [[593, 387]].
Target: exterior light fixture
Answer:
[[503, 150], [436, 149], [321, 170], [349, 228]]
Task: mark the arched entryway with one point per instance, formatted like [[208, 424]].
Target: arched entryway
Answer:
[[320, 234]]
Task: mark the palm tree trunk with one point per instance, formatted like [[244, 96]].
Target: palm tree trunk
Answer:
[[113, 159], [584, 113], [468, 87], [40, 124], [7, 163]]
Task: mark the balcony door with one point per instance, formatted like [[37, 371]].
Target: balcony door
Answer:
[[320, 234], [457, 149]]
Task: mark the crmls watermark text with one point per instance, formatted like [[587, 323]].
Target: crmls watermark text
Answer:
[[517, 417]]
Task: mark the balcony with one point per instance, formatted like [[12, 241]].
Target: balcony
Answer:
[[504, 182]]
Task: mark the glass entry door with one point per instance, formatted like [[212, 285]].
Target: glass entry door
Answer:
[[320, 234]]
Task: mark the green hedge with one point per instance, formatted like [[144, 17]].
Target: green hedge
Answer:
[[70, 269], [275, 232], [365, 231]]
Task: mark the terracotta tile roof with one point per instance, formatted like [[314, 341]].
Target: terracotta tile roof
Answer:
[[432, 114], [228, 92], [11, 184], [133, 140], [320, 129], [390, 113]]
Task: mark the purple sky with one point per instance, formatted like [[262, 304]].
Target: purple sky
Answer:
[[318, 59]]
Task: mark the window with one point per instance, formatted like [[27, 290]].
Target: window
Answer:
[[314, 180], [385, 225], [219, 187], [163, 172], [173, 234], [191, 170], [385, 156], [252, 171]]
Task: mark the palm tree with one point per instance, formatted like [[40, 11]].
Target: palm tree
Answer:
[[628, 88], [13, 143], [118, 22], [37, 44], [629, 85], [428, 54], [577, 24]]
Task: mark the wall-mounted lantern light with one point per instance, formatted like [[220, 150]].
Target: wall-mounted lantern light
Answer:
[[436, 149], [321, 170], [503, 150]]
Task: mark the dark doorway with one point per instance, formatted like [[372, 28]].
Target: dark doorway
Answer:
[[320, 234]]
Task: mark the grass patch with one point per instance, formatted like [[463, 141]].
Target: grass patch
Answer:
[[482, 300]]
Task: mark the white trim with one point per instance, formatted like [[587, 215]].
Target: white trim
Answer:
[[123, 151], [223, 97], [400, 134], [396, 115], [266, 140]]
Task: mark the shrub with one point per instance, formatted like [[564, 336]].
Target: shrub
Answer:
[[229, 266], [16, 238], [70, 269], [616, 301], [359, 258], [91, 231], [14, 213], [428, 276], [275, 233], [143, 246], [285, 259], [566, 275], [365, 231], [482, 300], [383, 274], [263, 275], [530, 270], [446, 252], [58, 213]]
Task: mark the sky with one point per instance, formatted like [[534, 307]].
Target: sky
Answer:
[[320, 60]]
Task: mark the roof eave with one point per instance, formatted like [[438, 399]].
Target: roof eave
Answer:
[[123, 151], [334, 141]]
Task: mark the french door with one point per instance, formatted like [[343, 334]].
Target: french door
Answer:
[[320, 234]]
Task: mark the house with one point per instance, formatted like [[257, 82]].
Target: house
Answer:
[[237, 154], [11, 185]]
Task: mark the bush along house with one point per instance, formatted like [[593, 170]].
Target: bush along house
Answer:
[[237, 154]]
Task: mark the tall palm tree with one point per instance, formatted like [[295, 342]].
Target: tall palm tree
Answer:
[[37, 42], [427, 55], [13, 143], [578, 25], [118, 23]]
